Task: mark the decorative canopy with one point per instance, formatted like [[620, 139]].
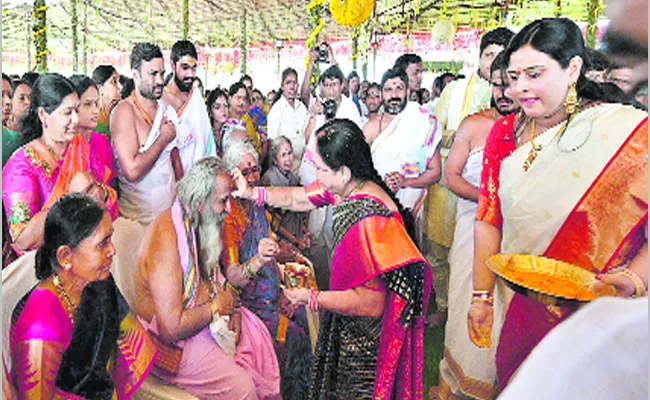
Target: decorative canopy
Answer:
[[118, 24]]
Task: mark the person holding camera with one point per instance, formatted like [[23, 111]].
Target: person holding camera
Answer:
[[330, 103]]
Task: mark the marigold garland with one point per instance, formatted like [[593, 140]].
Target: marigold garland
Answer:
[[351, 12]]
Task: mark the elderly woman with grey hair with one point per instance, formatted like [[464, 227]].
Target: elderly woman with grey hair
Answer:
[[289, 225], [249, 262]]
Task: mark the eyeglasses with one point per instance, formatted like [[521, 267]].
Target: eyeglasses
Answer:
[[252, 170]]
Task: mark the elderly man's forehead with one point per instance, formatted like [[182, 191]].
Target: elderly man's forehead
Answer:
[[223, 184]]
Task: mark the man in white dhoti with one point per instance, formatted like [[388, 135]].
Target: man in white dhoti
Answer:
[[467, 371], [194, 138], [404, 142], [459, 99], [143, 137]]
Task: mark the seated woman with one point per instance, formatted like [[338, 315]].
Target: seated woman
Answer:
[[73, 336], [291, 226], [371, 338], [54, 161], [249, 263], [87, 122]]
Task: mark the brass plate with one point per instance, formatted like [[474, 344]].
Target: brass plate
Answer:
[[547, 276]]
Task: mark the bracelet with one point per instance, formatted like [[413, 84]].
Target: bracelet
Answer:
[[313, 300], [213, 309], [639, 287], [483, 295], [261, 196], [247, 271]]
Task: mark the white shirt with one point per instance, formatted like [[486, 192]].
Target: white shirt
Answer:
[[346, 110], [285, 120]]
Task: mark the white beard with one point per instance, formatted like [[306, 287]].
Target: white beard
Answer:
[[210, 246]]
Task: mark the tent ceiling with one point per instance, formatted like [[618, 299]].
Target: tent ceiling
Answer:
[[118, 24]]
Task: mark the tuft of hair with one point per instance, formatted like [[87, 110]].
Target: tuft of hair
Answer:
[[183, 48], [233, 154], [144, 51], [405, 60], [333, 72], [498, 36]]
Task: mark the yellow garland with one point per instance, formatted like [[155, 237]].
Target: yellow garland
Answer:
[[42, 53], [38, 32], [39, 9], [351, 13], [312, 37]]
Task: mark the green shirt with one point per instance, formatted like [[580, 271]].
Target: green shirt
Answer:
[[104, 130], [11, 141]]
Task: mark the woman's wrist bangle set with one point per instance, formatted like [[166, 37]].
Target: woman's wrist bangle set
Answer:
[[312, 300], [483, 295], [640, 289], [247, 271], [261, 196]]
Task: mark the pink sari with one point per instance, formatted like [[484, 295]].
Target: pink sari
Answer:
[[371, 242], [30, 184], [204, 369], [41, 335]]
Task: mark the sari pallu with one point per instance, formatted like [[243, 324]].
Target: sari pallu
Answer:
[[365, 357], [31, 185], [583, 201], [105, 354]]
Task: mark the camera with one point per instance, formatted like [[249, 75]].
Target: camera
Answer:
[[329, 109], [323, 52]]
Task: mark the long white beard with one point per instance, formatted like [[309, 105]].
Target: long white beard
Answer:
[[210, 246]]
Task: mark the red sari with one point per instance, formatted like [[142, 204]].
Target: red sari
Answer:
[[602, 231]]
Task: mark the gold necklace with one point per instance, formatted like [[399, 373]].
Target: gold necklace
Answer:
[[50, 150], [354, 190], [63, 295], [534, 150]]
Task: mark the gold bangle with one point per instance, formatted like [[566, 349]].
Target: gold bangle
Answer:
[[213, 308], [639, 287], [483, 295]]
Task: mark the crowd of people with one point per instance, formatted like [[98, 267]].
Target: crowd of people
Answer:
[[163, 219]]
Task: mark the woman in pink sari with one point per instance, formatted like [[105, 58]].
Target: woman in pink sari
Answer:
[[370, 343], [73, 336], [54, 161], [565, 179]]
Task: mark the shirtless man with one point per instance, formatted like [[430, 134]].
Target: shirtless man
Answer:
[[193, 130], [142, 137]]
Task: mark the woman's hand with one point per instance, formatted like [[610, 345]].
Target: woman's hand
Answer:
[[84, 182], [297, 297], [624, 285], [267, 250], [242, 190], [480, 318]]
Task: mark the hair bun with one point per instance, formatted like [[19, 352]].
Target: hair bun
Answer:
[[43, 266]]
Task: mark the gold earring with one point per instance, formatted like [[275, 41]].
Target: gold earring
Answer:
[[571, 100]]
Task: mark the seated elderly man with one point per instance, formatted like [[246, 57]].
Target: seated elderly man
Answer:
[[249, 263], [206, 345]]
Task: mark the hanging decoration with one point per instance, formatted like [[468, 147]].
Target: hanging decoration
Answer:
[[75, 39], [315, 26], [442, 32], [351, 12], [593, 11], [185, 19], [39, 33], [244, 43], [355, 47]]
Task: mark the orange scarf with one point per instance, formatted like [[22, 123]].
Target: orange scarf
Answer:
[[77, 160]]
